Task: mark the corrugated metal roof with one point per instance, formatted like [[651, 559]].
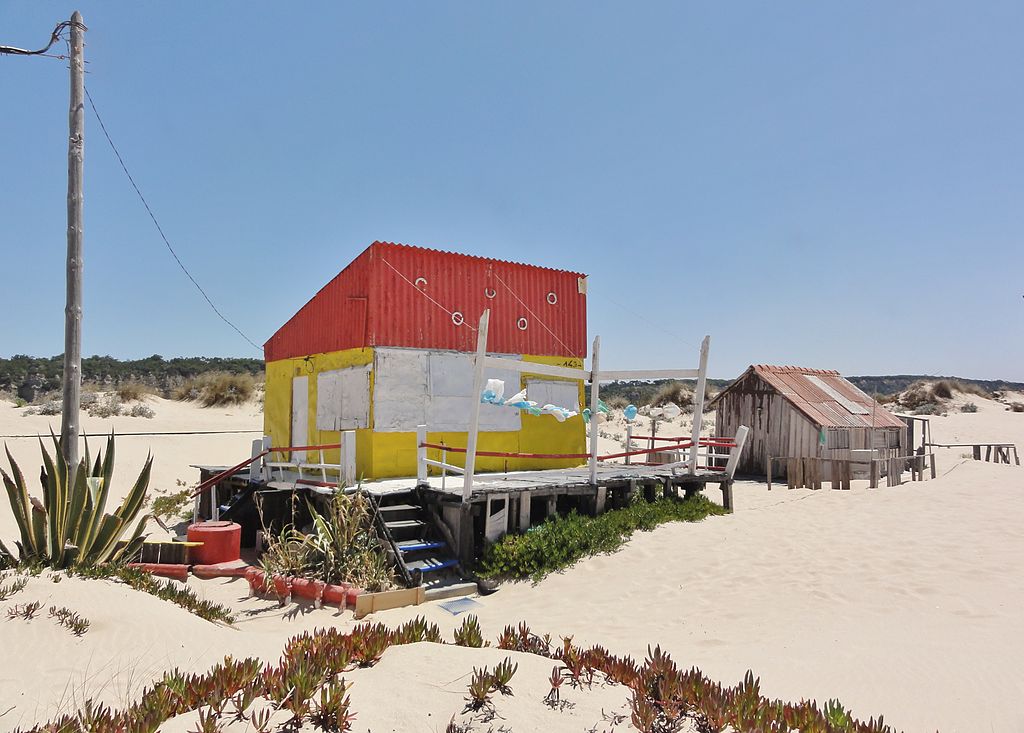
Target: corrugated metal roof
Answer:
[[426, 298], [821, 407]]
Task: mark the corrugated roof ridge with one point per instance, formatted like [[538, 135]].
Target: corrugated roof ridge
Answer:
[[476, 257], [774, 369]]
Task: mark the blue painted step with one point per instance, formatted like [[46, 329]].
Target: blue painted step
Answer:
[[414, 545], [431, 564]]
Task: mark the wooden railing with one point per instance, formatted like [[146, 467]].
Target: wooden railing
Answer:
[[994, 452], [808, 471]]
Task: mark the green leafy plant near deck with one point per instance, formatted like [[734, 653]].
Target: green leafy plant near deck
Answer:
[[71, 526], [341, 547], [562, 541]]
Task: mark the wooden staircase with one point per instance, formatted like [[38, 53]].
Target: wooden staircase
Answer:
[[422, 556]]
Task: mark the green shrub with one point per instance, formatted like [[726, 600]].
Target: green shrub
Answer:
[[561, 541], [943, 389], [928, 408], [969, 407], [217, 388], [178, 504]]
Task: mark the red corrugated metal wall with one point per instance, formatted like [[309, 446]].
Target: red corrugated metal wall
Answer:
[[415, 316], [413, 291], [333, 319]]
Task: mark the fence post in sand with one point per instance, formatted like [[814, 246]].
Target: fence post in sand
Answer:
[[629, 441], [873, 478]]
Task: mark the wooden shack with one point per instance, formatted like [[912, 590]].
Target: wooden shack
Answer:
[[800, 413]]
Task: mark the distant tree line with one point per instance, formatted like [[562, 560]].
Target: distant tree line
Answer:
[[46, 372]]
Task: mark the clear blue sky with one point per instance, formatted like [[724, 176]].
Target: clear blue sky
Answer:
[[837, 185]]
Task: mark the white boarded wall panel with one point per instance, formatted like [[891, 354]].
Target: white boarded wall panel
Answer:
[[450, 395], [552, 392], [413, 387], [399, 389], [343, 399]]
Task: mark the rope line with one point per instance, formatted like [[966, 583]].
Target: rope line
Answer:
[[564, 345], [160, 229], [424, 294]]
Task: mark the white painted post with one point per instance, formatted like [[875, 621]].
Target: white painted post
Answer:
[[595, 381], [268, 443], [698, 403], [474, 417], [348, 457], [734, 454], [255, 468], [421, 455], [629, 441]]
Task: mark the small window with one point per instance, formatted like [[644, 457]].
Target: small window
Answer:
[[838, 439]]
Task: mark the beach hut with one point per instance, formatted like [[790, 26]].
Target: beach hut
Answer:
[[387, 346], [800, 413]]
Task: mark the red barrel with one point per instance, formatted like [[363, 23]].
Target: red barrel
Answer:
[[222, 542]]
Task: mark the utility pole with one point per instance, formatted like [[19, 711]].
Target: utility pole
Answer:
[[69, 426]]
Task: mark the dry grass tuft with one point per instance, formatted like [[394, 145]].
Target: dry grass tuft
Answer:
[[217, 388], [675, 392], [133, 392]]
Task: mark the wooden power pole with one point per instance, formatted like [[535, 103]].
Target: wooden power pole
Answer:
[[69, 427]]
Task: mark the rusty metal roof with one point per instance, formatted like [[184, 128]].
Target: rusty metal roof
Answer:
[[825, 397]]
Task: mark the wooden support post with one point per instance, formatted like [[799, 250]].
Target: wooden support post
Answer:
[[629, 441], [552, 505], [474, 417], [465, 536], [791, 464], [1016, 458], [769, 472], [631, 491], [977, 452], [988, 454], [600, 500], [72, 377], [847, 469], [698, 404], [726, 487], [873, 475], [525, 507], [931, 457], [595, 402]]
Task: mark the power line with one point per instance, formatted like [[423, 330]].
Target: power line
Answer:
[[159, 228], [54, 37], [463, 321]]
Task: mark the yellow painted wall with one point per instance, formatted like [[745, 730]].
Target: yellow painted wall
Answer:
[[389, 454], [277, 401]]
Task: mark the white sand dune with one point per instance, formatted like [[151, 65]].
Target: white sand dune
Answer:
[[903, 601]]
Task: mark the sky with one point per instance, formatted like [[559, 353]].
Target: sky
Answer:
[[832, 185]]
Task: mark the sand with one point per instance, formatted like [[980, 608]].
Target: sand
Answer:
[[903, 601]]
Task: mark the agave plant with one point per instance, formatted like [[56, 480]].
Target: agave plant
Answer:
[[70, 526]]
